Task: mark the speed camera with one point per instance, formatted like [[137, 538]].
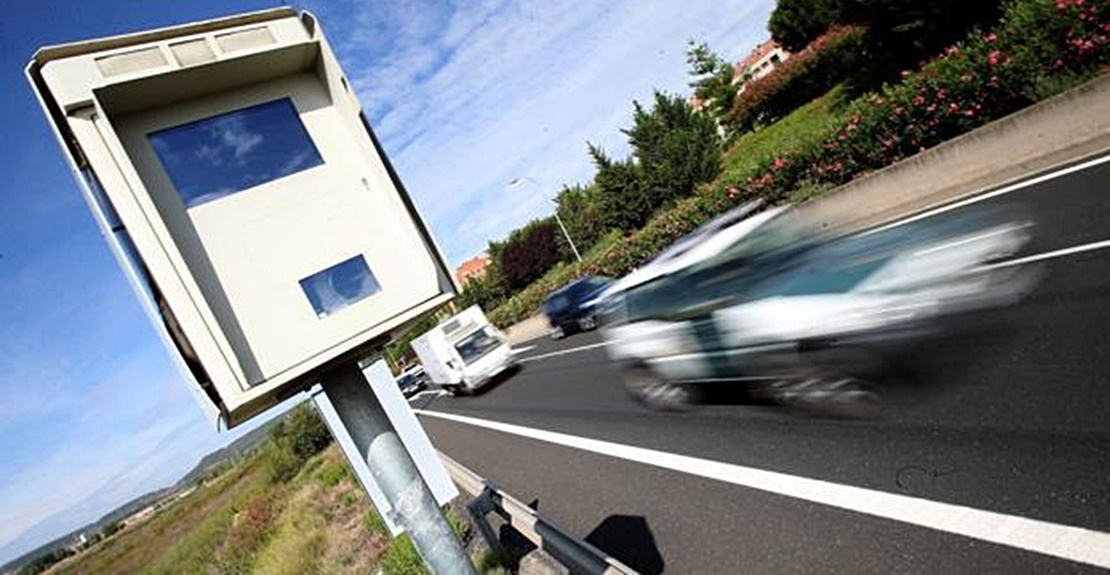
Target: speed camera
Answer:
[[232, 169]]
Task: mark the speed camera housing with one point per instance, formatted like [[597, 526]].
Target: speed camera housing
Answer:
[[232, 169]]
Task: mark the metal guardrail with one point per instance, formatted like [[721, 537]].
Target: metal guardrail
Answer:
[[576, 555]]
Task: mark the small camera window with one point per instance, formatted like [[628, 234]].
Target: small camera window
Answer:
[[339, 286]]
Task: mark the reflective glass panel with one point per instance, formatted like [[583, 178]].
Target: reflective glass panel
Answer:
[[339, 286], [219, 156]]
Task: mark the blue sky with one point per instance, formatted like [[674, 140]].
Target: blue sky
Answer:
[[466, 96]]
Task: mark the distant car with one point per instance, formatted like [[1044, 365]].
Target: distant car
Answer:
[[766, 302], [411, 381], [573, 307]]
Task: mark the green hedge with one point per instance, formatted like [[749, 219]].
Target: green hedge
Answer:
[[799, 79], [1039, 48]]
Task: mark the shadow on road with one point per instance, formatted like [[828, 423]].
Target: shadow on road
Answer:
[[628, 538]]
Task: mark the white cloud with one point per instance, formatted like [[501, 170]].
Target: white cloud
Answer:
[[467, 97]]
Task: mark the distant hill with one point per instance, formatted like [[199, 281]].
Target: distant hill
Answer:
[[241, 447]]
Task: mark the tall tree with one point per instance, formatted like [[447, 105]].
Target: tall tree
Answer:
[[796, 23], [528, 253], [622, 191], [580, 209], [903, 32], [676, 147], [712, 79]]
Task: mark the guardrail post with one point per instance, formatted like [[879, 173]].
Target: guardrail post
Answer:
[[479, 509]]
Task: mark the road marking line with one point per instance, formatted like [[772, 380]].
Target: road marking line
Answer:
[[435, 392], [1063, 541], [563, 352], [534, 337], [1049, 255], [999, 192], [524, 348]]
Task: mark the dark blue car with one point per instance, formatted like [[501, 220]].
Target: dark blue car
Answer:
[[573, 307]]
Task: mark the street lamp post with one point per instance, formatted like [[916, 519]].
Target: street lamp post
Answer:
[[517, 181]]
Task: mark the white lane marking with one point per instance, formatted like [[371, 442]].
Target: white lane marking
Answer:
[[535, 337], [524, 348], [1049, 255], [999, 192], [1063, 541], [435, 392], [563, 352]]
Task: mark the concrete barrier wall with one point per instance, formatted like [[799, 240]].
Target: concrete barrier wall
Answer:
[[1062, 130]]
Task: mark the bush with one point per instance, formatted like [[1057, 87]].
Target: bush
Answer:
[[899, 32], [623, 195], [480, 291], [796, 23], [799, 79], [677, 148], [306, 432], [299, 436], [279, 462], [580, 209], [527, 253]]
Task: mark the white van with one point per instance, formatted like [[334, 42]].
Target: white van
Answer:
[[465, 352]]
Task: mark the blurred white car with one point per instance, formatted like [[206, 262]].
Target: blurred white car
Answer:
[[799, 318]]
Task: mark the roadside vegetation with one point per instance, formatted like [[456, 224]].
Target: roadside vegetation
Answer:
[[291, 507], [871, 83]]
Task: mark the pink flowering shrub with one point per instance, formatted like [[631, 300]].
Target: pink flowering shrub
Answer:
[[802, 77], [983, 78]]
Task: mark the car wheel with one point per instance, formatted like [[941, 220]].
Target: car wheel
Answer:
[[557, 332], [830, 393], [588, 323], [644, 386]]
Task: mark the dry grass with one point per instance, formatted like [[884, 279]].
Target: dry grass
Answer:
[[142, 548], [245, 523]]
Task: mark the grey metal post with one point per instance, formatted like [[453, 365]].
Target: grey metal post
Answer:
[[567, 235], [517, 181], [395, 471]]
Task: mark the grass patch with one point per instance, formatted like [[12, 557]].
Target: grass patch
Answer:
[[372, 521], [460, 526], [743, 157], [181, 539], [489, 563], [333, 473], [298, 542], [402, 559]]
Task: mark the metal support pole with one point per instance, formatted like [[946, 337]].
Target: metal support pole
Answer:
[[567, 235], [517, 181], [395, 472]]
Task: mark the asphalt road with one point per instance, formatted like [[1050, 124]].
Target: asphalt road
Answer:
[[1012, 418]]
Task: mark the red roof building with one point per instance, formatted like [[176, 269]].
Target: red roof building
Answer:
[[472, 268], [759, 62]]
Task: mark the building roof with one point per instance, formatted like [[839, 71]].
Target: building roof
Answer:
[[473, 267], [758, 53]]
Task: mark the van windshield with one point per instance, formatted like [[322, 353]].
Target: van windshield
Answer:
[[476, 345]]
